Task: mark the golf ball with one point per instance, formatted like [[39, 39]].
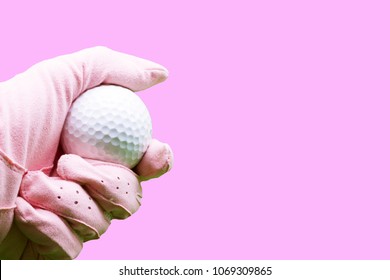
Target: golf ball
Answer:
[[108, 123]]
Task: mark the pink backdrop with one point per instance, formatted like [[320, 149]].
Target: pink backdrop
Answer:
[[277, 111]]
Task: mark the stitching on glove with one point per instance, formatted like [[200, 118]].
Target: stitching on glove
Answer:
[[115, 187], [7, 208], [11, 164]]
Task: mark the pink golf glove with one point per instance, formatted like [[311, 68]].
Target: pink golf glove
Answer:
[[51, 203]]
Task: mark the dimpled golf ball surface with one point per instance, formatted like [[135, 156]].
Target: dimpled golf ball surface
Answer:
[[108, 123]]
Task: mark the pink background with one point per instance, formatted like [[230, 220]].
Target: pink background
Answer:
[[277, 111]]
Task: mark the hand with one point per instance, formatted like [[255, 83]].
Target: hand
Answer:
[[33, 108]]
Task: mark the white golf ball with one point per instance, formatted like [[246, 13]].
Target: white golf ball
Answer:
[[108, 123]]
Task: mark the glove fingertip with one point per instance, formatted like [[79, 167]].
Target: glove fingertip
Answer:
[[157, 161]]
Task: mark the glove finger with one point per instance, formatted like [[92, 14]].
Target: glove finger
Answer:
[[68, 200], [70, 75], [115, 187], [157, 160], [51, 236]]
